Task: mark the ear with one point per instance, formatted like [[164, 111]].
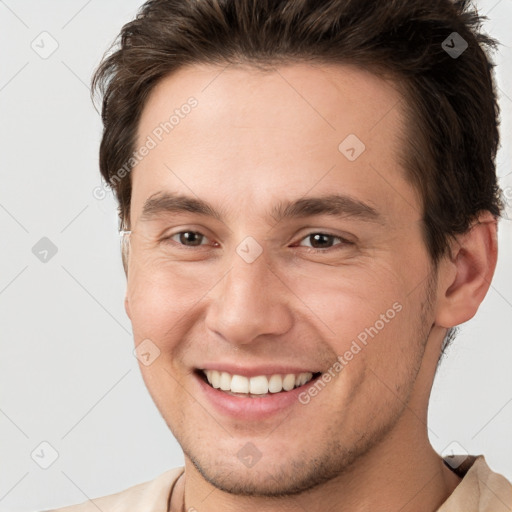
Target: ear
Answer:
[[125, 252], [465, 275], [127, 306]]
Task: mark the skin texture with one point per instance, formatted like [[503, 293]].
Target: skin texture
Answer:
[[256, 139]]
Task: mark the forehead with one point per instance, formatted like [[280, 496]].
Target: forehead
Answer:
[[288, 129], [333, 99]]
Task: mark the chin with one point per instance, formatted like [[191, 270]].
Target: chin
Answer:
[[275, 478], [255, 482]]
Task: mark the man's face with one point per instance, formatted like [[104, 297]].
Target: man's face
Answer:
[[316, 251]]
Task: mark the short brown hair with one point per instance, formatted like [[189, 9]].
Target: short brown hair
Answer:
[[452, 111]]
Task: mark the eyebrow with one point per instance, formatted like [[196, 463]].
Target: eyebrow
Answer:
[[335, 205], [165, 202]]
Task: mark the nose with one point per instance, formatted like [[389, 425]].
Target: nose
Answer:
[[250, 301]]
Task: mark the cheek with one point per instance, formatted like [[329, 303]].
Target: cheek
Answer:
[[354, 307], [159, 296], [369, 318], [348, 299]]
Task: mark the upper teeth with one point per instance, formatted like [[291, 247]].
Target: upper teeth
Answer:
[[258, 385]]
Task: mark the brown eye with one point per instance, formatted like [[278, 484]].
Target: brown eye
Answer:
[[188, 238], [321, 240]]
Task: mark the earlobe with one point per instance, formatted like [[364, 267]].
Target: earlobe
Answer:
[[467, 273], [127, 307]]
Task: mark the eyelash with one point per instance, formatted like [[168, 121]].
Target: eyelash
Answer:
[[343, 241]]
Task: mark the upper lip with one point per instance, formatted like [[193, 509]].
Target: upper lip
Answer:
[[253, 371]]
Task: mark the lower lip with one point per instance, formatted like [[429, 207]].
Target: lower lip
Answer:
[[251, 409]]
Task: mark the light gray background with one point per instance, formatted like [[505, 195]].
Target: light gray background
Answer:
[[68, 375]]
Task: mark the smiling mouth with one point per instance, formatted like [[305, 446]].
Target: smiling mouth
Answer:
[[257, 386]]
